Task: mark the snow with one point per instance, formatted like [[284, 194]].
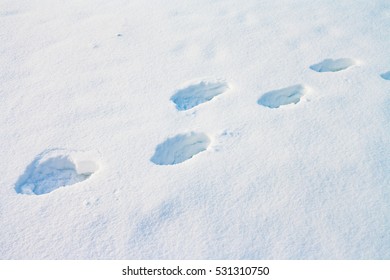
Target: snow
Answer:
[[98, 162]]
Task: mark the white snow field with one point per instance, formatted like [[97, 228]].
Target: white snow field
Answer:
[[99, 160]]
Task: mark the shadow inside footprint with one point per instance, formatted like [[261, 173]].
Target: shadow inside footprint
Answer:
[[284, 96], [196, 94], [53, 170], [180, 148], [386, 76], [330, 65]]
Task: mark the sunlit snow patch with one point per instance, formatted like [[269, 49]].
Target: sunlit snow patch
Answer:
[[330, 65], [284, 96], [180, 148], [199, 93], [55, 169], [386, 76]]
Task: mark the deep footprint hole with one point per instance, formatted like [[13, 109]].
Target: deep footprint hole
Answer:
[[386, 76], [333, 65], [180, 148], [197, 94], [50, 172], [284, 96]]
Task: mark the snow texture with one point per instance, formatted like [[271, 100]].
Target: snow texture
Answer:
[[285, 96], [330, 65], [180, 148], [169, 148], [199, 93]]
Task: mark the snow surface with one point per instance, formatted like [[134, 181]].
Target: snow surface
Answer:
[[309, 180]]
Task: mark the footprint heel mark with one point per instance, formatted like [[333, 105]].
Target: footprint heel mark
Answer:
[[334, 65], [386, 76], [55, 169], [196, 94], [180, 148], [284, 96]]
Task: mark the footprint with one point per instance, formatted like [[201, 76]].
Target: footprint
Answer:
[[330, 65], [386, 76], [55, 169], [180, 148], [8, 13], [284, 96], [199, 93]]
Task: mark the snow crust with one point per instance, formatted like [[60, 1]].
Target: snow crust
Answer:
[[98, 162]]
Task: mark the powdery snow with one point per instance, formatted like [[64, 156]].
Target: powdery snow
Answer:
[[142, 129]]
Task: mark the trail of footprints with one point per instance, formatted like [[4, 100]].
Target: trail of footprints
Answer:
[[55, 169]]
